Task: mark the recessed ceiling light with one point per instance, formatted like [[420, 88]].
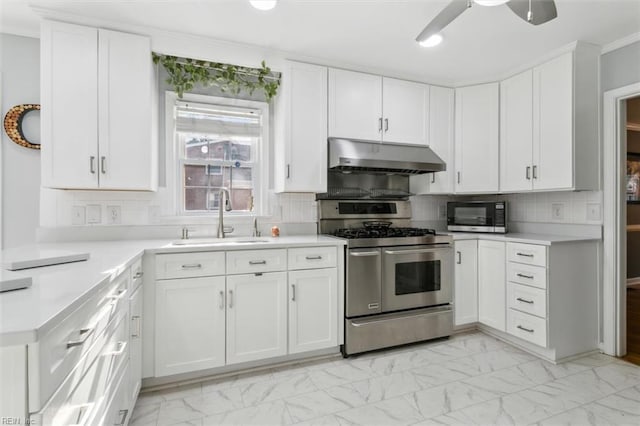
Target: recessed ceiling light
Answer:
[[263, 4], [432, 40], [490, 2]]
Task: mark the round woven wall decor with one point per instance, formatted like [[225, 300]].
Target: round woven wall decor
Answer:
[[13, 124]]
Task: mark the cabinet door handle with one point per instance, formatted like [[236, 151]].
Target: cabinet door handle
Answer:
[[92, 165], [192, 266], [288, 171], [459, 253], [123, 417], [257, 262], [103, 164], [458, 177], [524, 254], [433, 178], [535, 172], [519, 299], [85, 333], [386, 125], [121, 347], [528, 172], [529, 277], [230, 299], [293, 292], [528, 330], [221, 299], [136, 319], [313, 257], [380, 124]]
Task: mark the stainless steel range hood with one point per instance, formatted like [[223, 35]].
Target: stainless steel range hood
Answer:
[[373, 157]]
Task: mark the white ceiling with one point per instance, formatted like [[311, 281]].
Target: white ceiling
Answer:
[[368, 34]]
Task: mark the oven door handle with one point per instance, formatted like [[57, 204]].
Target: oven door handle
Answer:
[[414, 251], [364, 253]]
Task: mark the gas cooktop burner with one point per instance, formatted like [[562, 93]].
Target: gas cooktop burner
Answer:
[[352, 233]]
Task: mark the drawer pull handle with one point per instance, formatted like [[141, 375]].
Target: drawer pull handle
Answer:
[[138, 274], [525, 254], [528, 330], [192, 266], [123, 417], [136, 319], [313, 257], [119, 295], [83, 409], [530, 277], [121, 347], [85, 333], [257, 262], [519, 299]]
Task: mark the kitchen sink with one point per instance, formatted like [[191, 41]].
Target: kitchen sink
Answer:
[[217, 241]]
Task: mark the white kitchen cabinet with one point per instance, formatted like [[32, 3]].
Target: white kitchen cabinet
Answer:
[[301, 129], [96, 109], [256, 316], [355, 105], [516, 133], [190, 325], [477, 139], [549, 125], [441, 119], [313, 307], [492, 284], [466, 282], [369, 107], [135, 341]]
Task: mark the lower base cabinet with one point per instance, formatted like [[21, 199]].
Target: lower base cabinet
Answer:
[[313, 303], [466, 282], [135, 343], [492, 284]]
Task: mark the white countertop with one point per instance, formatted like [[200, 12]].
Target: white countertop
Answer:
[[58, 290], [525, 238]]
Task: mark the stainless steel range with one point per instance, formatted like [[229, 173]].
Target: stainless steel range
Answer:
[[399, 283]]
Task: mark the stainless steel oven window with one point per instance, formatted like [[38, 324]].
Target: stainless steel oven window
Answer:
[[418, 277]]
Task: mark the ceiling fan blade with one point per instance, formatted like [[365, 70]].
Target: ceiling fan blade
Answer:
[[444, 18], [541, 10]]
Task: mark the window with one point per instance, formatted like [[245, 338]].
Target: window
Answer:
[[219, 144]]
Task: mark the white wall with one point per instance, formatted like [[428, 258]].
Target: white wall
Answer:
[[20, 68]]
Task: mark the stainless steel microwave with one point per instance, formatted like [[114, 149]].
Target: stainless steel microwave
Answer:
[[477, 216]]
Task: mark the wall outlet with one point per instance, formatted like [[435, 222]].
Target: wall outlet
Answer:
[[594, 212], [557, 211], [94, 213], [114, 215], [78, 215]]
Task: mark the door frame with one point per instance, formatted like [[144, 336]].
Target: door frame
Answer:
[[614, 283]]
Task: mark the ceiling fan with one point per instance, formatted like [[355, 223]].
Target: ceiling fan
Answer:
[[535, 12]]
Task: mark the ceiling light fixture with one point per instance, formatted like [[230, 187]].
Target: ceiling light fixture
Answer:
[[490, 2], [263, 4], [432, 40]]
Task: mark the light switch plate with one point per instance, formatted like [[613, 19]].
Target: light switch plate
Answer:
[[94, 213], [114, 215], [78, 215], [557, 211]]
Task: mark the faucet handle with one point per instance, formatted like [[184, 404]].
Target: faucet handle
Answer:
[[185, 233]]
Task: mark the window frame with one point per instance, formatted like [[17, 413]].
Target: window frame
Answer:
[[175, 162]]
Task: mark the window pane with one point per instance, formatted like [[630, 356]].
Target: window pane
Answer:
[[195, 199], [241, 199], [195, 175], [195, 146]]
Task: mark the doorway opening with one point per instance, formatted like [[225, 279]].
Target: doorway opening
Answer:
[[632, 130]]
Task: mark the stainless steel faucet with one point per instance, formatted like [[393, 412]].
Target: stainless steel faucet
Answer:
[[254, 231], [224, 200]]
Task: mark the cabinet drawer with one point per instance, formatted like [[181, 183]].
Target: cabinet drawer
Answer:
[[535, 276], [312, 257], [527, 253], [187, 265], [527, 327], [60, 349], [527, 299], [242, 262], [136, 273]]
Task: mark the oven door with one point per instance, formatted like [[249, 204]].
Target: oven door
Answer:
[[416, 276]]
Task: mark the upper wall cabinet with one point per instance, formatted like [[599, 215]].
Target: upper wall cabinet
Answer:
[[369, 107], [96, 109], [441, 113], [476, 139], [301, 130], [549, 125]]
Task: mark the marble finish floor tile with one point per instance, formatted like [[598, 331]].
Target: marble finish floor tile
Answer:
[[469, 379]]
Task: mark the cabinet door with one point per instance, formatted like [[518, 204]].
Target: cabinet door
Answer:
[[405, 109], [355, 105], [302, 160], [135, 342], [190, 325], [69, 99], [516, 132], [256, 316], [492, 284], [441, 112], [313, 309], [127, 151], [553, 124], [466, 282], [476, 139]]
